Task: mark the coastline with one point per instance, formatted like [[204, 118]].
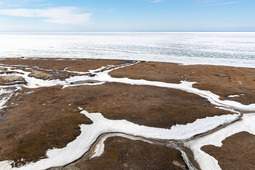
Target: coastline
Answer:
[[158, 107]]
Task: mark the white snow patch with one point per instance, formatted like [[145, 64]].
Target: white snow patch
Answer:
[[233, 96], [3, 100]]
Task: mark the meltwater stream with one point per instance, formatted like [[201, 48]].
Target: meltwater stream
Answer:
[[232, 49]]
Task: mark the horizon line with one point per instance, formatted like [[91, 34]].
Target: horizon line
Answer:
[[127, 31]]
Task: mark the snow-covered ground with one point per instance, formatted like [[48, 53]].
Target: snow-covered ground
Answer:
[[4, 96]]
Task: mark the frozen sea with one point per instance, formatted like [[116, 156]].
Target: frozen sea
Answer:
[[232, 49]]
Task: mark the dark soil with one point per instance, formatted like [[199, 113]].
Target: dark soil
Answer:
[[122, 153], [237, 152], [59, 65]]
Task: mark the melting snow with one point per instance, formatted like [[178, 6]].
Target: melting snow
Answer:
[[89, 133], [205, 160]]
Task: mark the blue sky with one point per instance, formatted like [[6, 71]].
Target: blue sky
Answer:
[[127, 15]]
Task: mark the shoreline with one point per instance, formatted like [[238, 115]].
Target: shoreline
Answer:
[[121, 59], [111, 97]]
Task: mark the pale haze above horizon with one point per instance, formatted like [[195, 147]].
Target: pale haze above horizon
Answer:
[[127, 15]]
